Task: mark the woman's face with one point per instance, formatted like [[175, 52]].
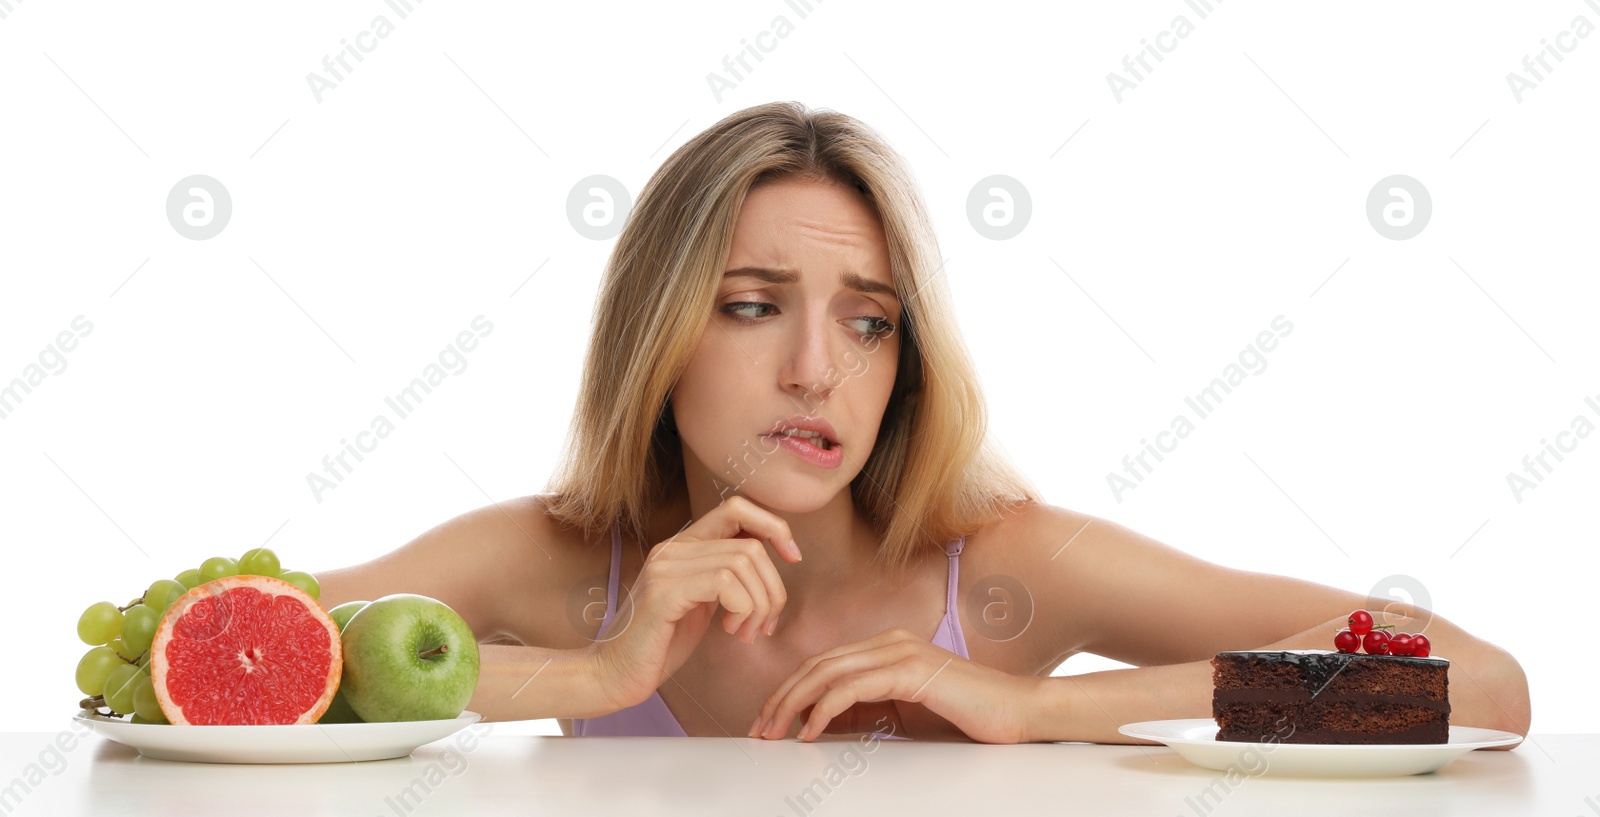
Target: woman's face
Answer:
[[806, 324]]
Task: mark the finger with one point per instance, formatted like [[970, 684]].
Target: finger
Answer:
[[776, 595], [825, 673], [683, 586], [765, 588], [769, 707], [742, 592], [752, 566], [864, 716], [874, 685], [737, 517]]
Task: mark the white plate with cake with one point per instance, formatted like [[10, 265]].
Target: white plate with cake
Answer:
[[1324, 713], [1195, 739]]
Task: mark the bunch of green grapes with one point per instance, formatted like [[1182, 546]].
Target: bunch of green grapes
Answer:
[[115, 672]]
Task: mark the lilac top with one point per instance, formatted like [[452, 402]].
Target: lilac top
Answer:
[[652, 718]]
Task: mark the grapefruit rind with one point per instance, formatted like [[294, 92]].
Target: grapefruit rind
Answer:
[[185, 625]]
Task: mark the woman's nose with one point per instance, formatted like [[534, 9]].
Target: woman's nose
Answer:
[[810, 361]]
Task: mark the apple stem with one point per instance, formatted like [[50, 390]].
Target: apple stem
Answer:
[[435, 652]]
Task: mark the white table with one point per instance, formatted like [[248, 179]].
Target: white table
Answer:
[[1547, 775]]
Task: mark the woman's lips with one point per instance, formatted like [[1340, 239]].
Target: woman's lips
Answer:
[[803, 422], [809, 452]]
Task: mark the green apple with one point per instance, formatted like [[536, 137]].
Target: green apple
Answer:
[[342, 614], [408, 658], [339, 710]]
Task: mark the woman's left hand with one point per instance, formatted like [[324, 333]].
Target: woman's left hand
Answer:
[[900, 682]]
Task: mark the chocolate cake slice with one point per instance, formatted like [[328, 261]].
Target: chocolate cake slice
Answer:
[[1321, 696]]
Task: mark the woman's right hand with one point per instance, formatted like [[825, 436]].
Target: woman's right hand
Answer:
[[720, 559]]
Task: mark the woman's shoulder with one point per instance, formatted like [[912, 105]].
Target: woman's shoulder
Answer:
[[524, 533], [1060, 550], [1021, 588], [1021, 533], [547, 567], [543, 563]]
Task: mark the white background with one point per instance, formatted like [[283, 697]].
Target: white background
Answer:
[[1227, 188]]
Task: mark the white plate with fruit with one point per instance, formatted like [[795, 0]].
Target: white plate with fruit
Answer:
[[1195, 739], [310, 743], [237, 662]]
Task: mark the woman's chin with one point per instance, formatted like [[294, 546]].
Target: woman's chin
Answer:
[[790, 496]]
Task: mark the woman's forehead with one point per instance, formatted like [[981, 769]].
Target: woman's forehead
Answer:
[[849, 279], [785, 223]]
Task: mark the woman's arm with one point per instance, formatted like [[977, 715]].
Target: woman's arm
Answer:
[[485, 563], [507, 571], [1487, 687], [519, 683], [1083, 572]]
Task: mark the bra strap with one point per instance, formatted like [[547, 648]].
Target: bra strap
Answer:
[[611, 581], [953, 550]]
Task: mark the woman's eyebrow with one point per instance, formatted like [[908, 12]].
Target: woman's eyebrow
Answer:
[[850, 280]]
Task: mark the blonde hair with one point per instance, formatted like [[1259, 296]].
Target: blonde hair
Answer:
[[622, 452]]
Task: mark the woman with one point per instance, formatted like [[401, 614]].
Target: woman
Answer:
[[778, 422]]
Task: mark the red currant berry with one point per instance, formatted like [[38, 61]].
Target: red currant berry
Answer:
[[1346, 641], [1401, 644], [1361, 622], [1420, 647], [1376, 642]]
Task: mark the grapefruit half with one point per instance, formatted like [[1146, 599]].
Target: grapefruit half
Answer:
[[245, 650]]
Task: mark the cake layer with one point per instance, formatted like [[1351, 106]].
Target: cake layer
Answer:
[[1331, 722], [1296, 696], [1319, 696], [1321, 672], [1433, 733]]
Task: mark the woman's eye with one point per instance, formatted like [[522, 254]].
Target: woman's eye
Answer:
[[875, 325], [751, 311], [737, 309]]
